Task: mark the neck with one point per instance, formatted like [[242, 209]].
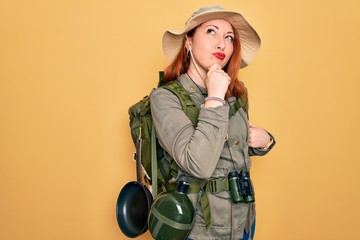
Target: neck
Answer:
[[196, 77], [199, 75]]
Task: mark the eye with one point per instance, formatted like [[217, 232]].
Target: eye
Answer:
[[210, 31], [230, 38]]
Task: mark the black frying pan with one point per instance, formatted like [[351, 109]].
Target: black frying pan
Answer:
[[133, 204]]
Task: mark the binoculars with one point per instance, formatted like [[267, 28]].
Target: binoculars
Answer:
[[240, 186]]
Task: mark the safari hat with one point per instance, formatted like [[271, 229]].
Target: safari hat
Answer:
[[249, 39]]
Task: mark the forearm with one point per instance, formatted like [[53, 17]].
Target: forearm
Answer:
[[198, 150]]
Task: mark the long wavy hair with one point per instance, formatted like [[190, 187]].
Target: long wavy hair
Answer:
[[181, 63]]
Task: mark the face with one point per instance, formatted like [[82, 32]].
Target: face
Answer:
[[211, 43]]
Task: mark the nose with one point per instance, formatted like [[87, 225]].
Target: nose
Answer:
[[221, 44]]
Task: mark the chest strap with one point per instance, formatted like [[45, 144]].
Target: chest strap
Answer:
[[211, 186]]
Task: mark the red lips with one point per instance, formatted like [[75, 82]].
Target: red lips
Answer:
[[219, 55]]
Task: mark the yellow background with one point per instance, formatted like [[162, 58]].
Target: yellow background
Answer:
[[70, 69]]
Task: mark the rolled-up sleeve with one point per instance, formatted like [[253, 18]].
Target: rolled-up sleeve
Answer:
[[195, 149]]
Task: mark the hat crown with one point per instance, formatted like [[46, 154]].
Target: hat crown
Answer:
[[204, 10]]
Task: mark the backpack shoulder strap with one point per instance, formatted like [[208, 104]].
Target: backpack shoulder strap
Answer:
[[241, 102], [188, 105]]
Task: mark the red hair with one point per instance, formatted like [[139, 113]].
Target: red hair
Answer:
[[181, 63]]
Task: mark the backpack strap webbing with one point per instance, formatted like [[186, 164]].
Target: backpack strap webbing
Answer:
[[240, 103], [187, 104], [154, 164]]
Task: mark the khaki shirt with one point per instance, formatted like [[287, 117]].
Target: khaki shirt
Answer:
[[217, 146]]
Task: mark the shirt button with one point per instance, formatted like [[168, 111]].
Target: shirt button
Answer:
[[192, 88], [236, 142]]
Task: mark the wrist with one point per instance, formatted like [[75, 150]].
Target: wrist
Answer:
[[268, 145], [217, 99]]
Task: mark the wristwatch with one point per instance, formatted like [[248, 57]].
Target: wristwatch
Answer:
[[269, 143]]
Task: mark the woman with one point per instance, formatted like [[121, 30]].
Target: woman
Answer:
[[205, 58]]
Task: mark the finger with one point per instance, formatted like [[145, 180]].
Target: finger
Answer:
[[214, 67], [251, 135], [251, 142]]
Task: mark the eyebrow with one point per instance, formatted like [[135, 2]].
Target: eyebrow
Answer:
[[211, 25]]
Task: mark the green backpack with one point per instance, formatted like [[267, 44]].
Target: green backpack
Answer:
[[157, 168]]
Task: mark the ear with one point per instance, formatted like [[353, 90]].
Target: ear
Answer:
[[188, 43]]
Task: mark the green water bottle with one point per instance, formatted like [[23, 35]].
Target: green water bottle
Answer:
[[171, 215]]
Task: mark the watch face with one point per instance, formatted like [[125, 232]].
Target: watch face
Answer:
[[269, 143]]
